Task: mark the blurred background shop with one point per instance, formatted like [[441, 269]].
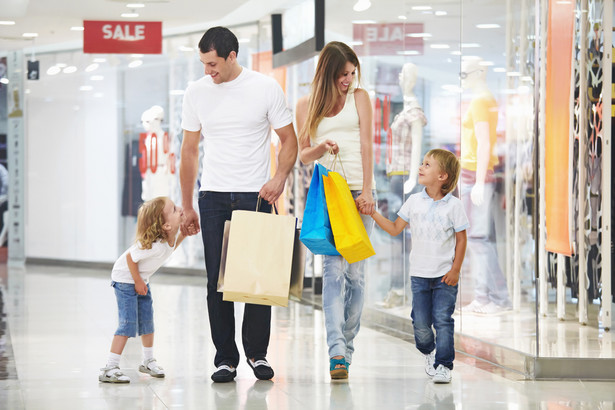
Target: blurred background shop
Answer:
[[87, 136]]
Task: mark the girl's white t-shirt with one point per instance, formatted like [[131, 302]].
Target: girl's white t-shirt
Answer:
[[148, 260], [235, 119]]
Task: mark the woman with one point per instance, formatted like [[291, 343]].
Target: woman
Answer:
[[336, 118]]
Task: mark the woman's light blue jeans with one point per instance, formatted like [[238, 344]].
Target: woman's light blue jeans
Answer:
[[343, 292]]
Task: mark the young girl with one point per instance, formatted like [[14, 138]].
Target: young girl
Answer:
[[158, 224], [438, 225]]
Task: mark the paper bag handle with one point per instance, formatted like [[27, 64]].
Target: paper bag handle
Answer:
[[258, 205]]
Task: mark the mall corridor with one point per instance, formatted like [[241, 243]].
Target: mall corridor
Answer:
[[58, 322]]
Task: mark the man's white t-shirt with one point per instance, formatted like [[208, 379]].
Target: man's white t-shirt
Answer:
[[433, 225], [235, 118], [148, 260]]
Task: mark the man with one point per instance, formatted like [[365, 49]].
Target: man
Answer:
[[234, 108]]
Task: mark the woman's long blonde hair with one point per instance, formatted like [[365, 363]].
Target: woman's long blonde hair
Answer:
[[150, 221], [324, 90]]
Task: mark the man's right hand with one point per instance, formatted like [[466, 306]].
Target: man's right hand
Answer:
[[190, 226]]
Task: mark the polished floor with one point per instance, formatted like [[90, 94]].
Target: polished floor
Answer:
[[57, 325]]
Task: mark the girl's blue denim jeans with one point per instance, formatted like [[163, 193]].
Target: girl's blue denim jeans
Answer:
[[135, 312]]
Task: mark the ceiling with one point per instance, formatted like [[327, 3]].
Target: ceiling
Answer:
[[53, 19]]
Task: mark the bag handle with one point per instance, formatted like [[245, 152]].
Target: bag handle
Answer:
[[258, 205], [337, 158]]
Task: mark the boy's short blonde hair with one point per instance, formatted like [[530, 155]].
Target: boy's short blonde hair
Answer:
[[449, 164]]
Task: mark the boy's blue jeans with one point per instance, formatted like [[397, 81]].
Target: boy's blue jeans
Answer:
[[433, 304]]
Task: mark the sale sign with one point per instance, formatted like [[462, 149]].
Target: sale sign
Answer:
[[387, 38], [122, 37]]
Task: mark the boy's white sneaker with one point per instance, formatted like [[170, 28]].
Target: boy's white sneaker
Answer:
[[151, 367], [112, 374], [429, 361], [443, 375]]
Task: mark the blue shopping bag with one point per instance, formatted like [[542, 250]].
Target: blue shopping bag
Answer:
[[316, 232]]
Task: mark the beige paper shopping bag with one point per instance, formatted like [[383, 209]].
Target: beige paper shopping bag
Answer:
[[227, 228], [259, 258], [298, 268]]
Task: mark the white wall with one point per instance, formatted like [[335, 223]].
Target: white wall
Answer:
[[72, 166]]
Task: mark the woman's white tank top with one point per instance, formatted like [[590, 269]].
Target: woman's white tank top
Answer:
[[343, 128]]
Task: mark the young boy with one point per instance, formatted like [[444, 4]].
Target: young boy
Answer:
[[438, 226]]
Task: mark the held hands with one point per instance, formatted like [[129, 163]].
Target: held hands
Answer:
[[477, 194], [190, 225], [141, 288], [365, 203], [451, 278]]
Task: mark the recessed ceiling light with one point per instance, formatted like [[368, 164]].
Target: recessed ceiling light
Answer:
[[456, 53], [186, 48], [470, 45], [499, 70], [91, 67], [513, 74], [135, 5], [402, 17], [441, 13], [7, 23], [135, 63], [100, 60], [440, 46], [363, 21], [488, 25], [486, 63], [97, 78], [362, 5], [419, 35], [70, 69], [421, 8], [4, 80], [408, 53], [31, 35], [53, 70], [129, 15], [76, 28]]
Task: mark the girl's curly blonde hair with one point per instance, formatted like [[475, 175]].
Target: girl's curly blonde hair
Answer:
[[150, 221]]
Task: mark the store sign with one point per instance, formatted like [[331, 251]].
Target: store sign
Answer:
[[387, 39], [121, 37]]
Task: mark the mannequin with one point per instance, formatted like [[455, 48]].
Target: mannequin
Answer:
[[478, 159], [155, 155], [407, 131]]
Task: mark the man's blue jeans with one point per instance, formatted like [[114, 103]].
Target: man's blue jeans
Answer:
[[433, 304], [216, 208]]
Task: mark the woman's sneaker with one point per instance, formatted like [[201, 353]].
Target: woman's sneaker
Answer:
[[443, 375], [151, 367], [112, 374]]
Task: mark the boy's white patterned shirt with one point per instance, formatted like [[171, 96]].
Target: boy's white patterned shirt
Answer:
[[433, 225]]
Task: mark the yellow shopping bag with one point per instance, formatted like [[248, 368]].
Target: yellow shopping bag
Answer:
[[351, 239]]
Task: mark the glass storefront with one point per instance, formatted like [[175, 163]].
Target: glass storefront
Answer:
[[104, 133]]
